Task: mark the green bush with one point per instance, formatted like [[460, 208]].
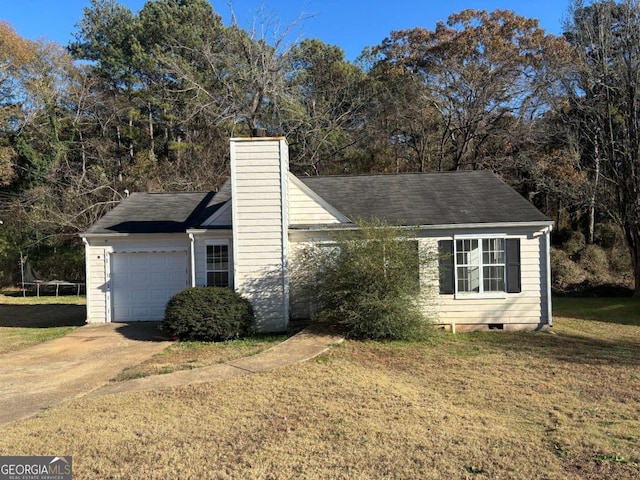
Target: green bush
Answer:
[[367, 282], [208, 314]]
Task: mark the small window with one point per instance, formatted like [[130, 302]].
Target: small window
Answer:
[[218, 265]]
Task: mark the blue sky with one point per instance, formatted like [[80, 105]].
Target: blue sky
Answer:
[[350, 24]]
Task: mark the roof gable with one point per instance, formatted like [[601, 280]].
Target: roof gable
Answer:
[[307, 207], [222, 218]]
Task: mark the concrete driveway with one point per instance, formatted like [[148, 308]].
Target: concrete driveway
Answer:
[[49, 373]]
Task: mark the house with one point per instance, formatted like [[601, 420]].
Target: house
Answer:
[[493, 268]]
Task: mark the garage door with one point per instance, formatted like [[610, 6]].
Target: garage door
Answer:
[[143, 282]]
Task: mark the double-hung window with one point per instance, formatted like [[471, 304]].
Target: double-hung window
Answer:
[[218, 264], [479, 265]]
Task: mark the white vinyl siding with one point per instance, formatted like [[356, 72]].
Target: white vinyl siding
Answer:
[[97, 271], [306, 210], [259, 172], [525, 309]]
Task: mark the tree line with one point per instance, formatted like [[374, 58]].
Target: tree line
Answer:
[[147, 101]]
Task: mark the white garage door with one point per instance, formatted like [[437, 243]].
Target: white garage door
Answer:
[[143, 282]]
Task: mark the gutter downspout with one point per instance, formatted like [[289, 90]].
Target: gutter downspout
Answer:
[[284, 221], [548, 248], [87, 277], [192, 259]]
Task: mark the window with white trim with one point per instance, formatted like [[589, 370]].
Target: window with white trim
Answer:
[[479, 265], [218, 264]]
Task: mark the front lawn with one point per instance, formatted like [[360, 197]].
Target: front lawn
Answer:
[[190, 355], [549, 405]]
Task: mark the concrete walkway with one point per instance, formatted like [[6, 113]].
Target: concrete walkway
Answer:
[[301, 347], [84, 361], [46, 374]]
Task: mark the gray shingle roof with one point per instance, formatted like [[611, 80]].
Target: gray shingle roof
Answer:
[[404, 199], [153, 213], [426, 198]]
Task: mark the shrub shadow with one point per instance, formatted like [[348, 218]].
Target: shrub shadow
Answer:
[[143, 331]]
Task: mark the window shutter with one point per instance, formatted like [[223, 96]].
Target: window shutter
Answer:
[[445, 266], [513, 266]]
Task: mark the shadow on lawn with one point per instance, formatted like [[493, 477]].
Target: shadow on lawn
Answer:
[[563, 347], [143, 331], [620, 310], [42, 316]]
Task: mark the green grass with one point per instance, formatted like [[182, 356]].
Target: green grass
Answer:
[[624, 310], [13, 338], [15, 298]]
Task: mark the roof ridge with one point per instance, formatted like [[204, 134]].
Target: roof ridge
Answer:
[[406, 174], [195, 192]]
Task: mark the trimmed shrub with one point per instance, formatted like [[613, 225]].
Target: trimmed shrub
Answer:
[[209, 314]]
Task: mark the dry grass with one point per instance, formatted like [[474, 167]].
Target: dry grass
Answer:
[[189, 355], [561, 405]]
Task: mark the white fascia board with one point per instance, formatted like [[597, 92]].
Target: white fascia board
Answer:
[[201, 231], [105, 235], [258, 139], [121, 235], [451, 226]]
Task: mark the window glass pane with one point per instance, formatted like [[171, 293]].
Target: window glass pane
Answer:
[[221, 279], [209, 257], [493, 279], [221, 257], [463, 283], [467, 252], [217, 279], [468, 279], [493, 251]]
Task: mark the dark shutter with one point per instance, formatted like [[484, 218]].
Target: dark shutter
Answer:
[[513, 266], [445, 266]]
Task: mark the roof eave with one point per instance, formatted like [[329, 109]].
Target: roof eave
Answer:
[[448, 226], [127, 234]]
